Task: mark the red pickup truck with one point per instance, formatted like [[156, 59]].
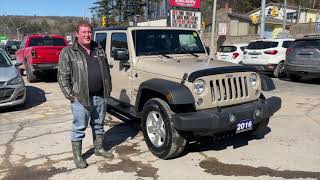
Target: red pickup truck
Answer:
[[38, 54]]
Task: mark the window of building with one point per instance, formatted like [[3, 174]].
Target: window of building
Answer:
[[291, 16]]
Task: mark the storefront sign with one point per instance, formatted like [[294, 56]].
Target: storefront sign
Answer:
[[186, 19], [186, 3]]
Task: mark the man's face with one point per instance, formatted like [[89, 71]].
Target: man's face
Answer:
[[84, 35]]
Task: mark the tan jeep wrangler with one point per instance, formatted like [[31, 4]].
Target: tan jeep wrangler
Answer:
[[163, 77]]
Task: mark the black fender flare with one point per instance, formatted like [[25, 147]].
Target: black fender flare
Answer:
[[267, 83], [175, 93]]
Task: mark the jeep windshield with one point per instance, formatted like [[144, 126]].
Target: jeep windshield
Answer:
[[164, 42]]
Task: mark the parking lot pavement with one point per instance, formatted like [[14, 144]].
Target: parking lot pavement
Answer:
[[34, 143]]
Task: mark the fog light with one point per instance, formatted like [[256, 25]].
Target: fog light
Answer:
[[199, 101], [232, 118], [258, 113], [257, 93]]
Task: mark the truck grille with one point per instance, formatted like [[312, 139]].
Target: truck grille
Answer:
[[232, 88], [6, 93]]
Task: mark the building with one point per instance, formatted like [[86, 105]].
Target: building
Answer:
[[295, 14], [275, 17]]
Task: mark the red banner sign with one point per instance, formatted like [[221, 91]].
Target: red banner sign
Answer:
[[186, 3]]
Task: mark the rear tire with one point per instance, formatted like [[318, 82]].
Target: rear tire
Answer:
[[31, 77], [163, 140], [294, 77], [279, 71]]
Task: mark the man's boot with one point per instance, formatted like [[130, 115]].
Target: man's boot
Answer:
[[78, 160], [98, 147]]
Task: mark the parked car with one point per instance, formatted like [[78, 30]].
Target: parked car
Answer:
[[11, 47], [12, 87], [267, 55], [231, 53], [303, 58], [38, 54]]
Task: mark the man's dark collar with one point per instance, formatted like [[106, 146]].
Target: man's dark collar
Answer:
[[76, 45]]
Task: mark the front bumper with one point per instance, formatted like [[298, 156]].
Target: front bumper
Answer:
[[16, 98], [302, 70], [218, 120]]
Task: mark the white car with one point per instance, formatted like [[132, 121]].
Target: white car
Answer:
[[231, 53], [12, 87], [267, 55]]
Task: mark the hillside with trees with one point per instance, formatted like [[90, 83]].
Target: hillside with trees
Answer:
[[36, 24]]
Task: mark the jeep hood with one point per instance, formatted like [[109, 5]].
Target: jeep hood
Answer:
[[177, 68]]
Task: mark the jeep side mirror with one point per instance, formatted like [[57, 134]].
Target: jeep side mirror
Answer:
[[121, 55]]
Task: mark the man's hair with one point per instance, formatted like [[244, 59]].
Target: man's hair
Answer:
[[83, 24]]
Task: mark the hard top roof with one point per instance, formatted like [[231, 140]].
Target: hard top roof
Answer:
[[140, 28]]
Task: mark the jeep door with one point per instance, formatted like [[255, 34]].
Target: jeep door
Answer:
[[119, 67]]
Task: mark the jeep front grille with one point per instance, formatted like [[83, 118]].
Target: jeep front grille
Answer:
[[226, 89]]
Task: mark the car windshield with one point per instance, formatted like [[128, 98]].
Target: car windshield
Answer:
[[307, 44], [162, 42], [262, 45], [227, 49], [46, 41], [4, 60]]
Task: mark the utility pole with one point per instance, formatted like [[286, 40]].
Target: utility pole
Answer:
[[18, 31], [284, 15], [213, 30], [262, 18]]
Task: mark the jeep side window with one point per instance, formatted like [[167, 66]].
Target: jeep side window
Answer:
[[118, 42], [101, 39]]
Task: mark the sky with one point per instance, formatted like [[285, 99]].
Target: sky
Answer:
[[46, 7]]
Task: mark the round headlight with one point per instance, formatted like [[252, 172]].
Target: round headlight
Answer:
[[199, 86], [253, 80]]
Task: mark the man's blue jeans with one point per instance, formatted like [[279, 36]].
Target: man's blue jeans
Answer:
[[81, 115]]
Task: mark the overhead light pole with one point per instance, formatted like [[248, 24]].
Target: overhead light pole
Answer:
[[213, 30], [262, 19], [284, 15]]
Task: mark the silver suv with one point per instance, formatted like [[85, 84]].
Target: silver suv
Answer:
[[163, 78], [303, 58], [12, 87]]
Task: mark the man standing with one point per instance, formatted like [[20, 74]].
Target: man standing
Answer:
[[84, 78]]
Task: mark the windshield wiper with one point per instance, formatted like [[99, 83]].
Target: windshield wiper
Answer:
[[157, 53], [183, 50]]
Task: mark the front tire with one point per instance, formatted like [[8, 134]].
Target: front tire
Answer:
[[163, 140]]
